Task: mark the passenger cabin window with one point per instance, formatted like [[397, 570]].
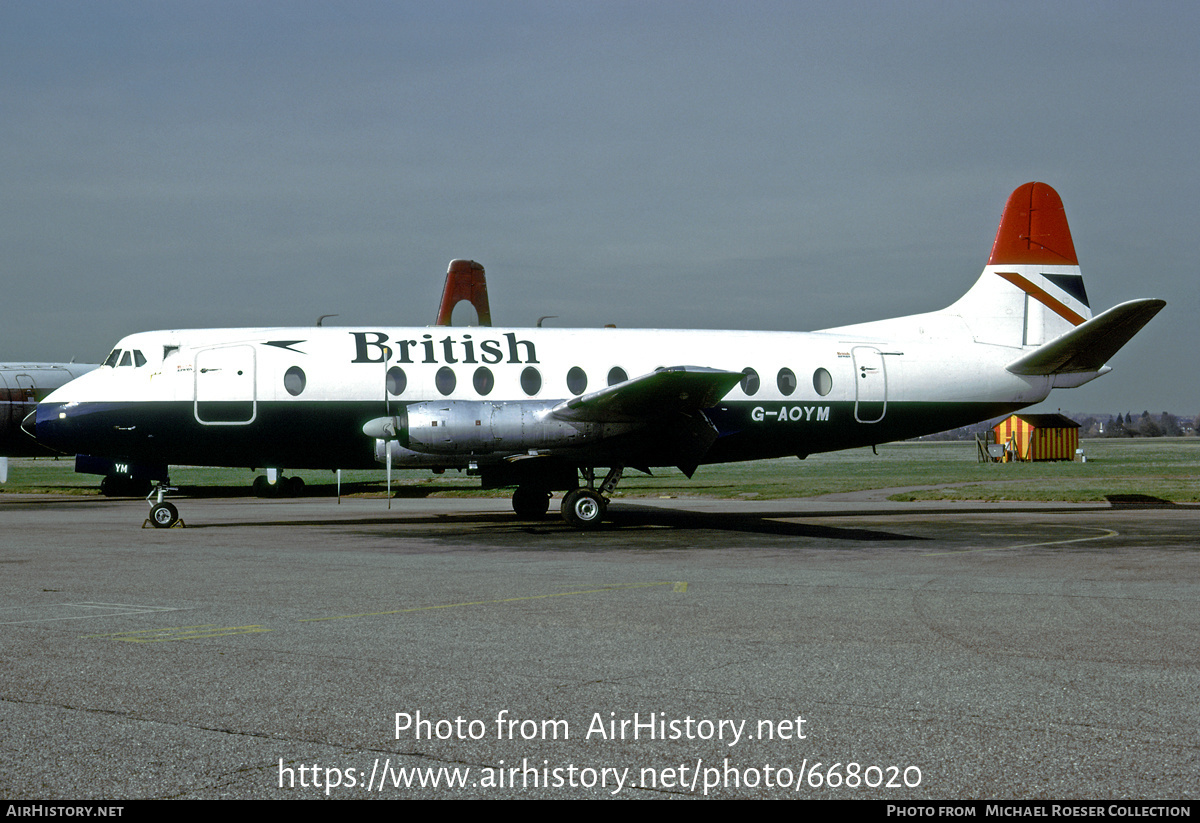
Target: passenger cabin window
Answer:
[[294, 381], [483, 380], [531, 381], [396, 381], [616, 375], [576, 380], [750, 382], [786, 382], [822, 382]]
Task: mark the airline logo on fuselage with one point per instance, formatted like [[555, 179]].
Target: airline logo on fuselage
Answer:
[[375, 347]]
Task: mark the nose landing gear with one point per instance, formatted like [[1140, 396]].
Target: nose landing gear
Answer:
[[163, 515]]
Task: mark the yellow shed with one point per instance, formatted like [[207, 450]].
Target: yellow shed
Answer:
[[1038, 436]]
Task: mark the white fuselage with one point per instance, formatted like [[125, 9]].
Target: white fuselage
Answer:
[[299, 397]]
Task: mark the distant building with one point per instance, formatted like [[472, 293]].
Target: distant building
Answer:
[[1038, 437]]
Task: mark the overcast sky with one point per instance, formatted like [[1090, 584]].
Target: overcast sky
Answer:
[[753, 165]]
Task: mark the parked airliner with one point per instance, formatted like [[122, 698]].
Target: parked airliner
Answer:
[[22, 385], [538, 409]]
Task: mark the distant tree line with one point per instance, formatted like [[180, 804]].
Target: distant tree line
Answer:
[[1147, 425]]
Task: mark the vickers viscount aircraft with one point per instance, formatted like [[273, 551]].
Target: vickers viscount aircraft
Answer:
[[537, 408], [22, 385]]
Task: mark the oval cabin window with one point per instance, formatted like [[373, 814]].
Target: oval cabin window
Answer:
[[294, 381], [531, 381]]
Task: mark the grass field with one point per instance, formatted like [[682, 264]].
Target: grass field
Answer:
[[1157, 468]]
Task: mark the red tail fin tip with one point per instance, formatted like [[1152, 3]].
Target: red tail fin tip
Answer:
[[465, 281], [1033, 229]]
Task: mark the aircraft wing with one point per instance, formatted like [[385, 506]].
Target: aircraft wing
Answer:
[[1088, 346], [658, 394]]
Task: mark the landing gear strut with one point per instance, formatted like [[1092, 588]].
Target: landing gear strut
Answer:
[[163, 515], [585, 508]]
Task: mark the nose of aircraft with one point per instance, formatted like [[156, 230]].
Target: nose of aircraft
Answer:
[[29, 424], [48, 424]]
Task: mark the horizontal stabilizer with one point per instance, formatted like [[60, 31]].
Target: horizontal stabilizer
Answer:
[[1088, 346], [651, 396]]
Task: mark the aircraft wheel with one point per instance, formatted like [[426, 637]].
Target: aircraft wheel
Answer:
[[293, 486], [530, 502], [264, 489], [583, 509], [163, 516]]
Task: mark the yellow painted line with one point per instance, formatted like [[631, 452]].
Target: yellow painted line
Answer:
[[203, 630], [154, 631], [180, 633], [1107, 533], [502, 600]]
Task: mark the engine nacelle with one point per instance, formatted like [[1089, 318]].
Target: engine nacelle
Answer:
[[462, 427]]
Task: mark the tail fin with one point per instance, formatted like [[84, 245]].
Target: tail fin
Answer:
[[1031, 296], [465, 281], [1033, 230], [1031, 290]]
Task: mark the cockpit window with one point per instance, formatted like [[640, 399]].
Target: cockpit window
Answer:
[[127, 357]]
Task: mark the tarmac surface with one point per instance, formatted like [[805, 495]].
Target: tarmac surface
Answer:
[[690, 648]]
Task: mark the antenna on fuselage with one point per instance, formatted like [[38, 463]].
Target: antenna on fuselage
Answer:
[[321, 319]]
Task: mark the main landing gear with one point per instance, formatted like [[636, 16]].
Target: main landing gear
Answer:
[[531, 502], [583, 508], [281, 486], [163, 515]]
